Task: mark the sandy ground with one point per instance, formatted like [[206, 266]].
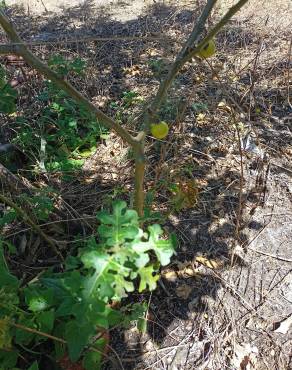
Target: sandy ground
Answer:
[[121, 10], [267, 14]]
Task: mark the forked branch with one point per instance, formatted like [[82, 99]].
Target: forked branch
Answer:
[[19, 48]]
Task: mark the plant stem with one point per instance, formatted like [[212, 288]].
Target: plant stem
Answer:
[[178, 63], [188, 51], [37, 332], [21, 49], [140, 163]]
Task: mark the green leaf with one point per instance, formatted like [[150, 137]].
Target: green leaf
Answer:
[[6, 279], [147, 278], [38, 299], [119, 226], [142, 325], [34, 366], [45, 321], [8, 217], [163, 249], [91, 311], [92, 361], [8, 97], [77, 338], [65, 307], [23, 336], [60, 348], [109, 276], [97, 259], [8, 360]]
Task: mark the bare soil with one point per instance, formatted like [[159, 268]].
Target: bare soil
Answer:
[[220, 302]]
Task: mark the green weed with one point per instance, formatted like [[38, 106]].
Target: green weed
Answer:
[[77, 303]]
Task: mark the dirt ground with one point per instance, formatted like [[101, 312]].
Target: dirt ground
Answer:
[[120, 10], [221, 302]]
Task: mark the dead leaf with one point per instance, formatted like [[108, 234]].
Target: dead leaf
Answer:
[[134, 70], [244, 357], [211, 264], [169, 275], [183, 291], [284, 325], [223, 106], [186, 194], [201, 117], [187, 272]]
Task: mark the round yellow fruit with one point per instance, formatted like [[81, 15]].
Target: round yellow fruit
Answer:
[[207, 50], [159, 130]]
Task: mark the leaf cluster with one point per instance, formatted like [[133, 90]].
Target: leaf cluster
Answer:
[[84, 299], [63, 132]]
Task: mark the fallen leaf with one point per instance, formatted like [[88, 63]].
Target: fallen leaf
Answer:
[[187, 272], [183, 291], [133, 70], [186, 194], [169, 275], [283, 326], [223, 106], [201, 116], [244, 357], [212, 264]]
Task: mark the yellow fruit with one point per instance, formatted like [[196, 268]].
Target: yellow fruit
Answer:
[[207, 50], [159, 130]]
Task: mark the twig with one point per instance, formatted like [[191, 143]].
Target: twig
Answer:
[[179, 61], [288, 74], [271, 255], [90, 39], [34, 331], [13, 182], [283, 168], [29, 221], [194, 50], [21, 50], [239, 211]]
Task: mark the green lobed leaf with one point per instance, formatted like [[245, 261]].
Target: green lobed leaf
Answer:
[[77, 337], [147, 278], [163, 249], [119, 226]]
